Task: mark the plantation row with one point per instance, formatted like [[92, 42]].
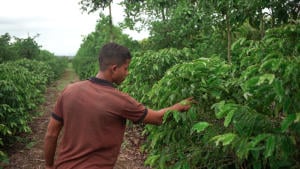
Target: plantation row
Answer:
[[22, 85], [247, 113]]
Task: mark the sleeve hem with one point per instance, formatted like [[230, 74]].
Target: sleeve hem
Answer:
[[142, 117], [56, 117]]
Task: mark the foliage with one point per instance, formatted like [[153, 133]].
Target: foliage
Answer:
[[58, 64], [22, 84], [94, 5], [86, 66], [42, 69], [210, 25], [182, 138], [171, 24], [6, 50], [154, 65], [26, 48], [247, 114]]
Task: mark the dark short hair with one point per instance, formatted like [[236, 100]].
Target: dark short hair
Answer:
[[113, 53]]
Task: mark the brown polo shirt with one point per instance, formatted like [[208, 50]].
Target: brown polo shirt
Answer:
[[94, 115]]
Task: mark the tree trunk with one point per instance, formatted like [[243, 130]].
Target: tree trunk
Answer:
[[228, 28], [262, 25], [163, 14], [111, 33]]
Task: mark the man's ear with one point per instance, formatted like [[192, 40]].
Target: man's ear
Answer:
[[114, 67]]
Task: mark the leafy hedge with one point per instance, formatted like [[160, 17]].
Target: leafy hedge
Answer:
[[247, 114], [86, 67], [58, 65], [177, 143], [22, 85]]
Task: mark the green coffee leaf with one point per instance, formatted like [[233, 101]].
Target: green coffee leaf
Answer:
[[226, 139], [288, 121], [270, 147], [200, 126], [228, 118], [266, 77]]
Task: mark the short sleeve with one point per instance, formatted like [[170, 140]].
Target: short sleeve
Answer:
[[58, 109], [133, 110]]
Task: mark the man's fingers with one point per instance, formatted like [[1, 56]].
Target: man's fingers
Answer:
[[191, 100]]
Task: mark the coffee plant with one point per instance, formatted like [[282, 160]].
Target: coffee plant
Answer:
[[180, 142], [22, 85], [86, 67], [247, 115]]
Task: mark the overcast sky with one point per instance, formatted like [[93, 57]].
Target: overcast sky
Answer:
[[60, 24]]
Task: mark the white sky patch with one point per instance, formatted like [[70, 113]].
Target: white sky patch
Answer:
[[61, 24]]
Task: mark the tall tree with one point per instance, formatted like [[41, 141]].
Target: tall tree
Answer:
[[228, 15], [93, 5], [168, 21], [6, 51], [27, 48]]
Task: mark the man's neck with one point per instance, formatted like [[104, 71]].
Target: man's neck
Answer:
[[104, 76]]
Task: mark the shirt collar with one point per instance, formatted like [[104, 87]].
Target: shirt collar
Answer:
[[101, 82]]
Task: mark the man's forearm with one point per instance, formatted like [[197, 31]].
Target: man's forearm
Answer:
[[49, 149], [156, 117]]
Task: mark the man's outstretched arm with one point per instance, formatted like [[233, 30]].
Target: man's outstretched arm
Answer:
[[156, 116]]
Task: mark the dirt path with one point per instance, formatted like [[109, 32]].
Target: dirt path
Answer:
[[30, 156]]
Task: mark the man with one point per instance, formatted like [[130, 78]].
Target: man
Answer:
[[93, 113]]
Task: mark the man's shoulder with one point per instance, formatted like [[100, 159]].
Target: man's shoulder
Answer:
[[126, 97], [75, 85], [78, 83]]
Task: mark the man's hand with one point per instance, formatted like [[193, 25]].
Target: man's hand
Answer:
[[155, 117], [184, 105]]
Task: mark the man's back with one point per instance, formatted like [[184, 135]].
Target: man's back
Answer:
[[94, 115]]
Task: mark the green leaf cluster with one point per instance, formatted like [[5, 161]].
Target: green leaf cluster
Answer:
[[18, 49], [247, 114], [149, 67], [22, 85], [184, 140]]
